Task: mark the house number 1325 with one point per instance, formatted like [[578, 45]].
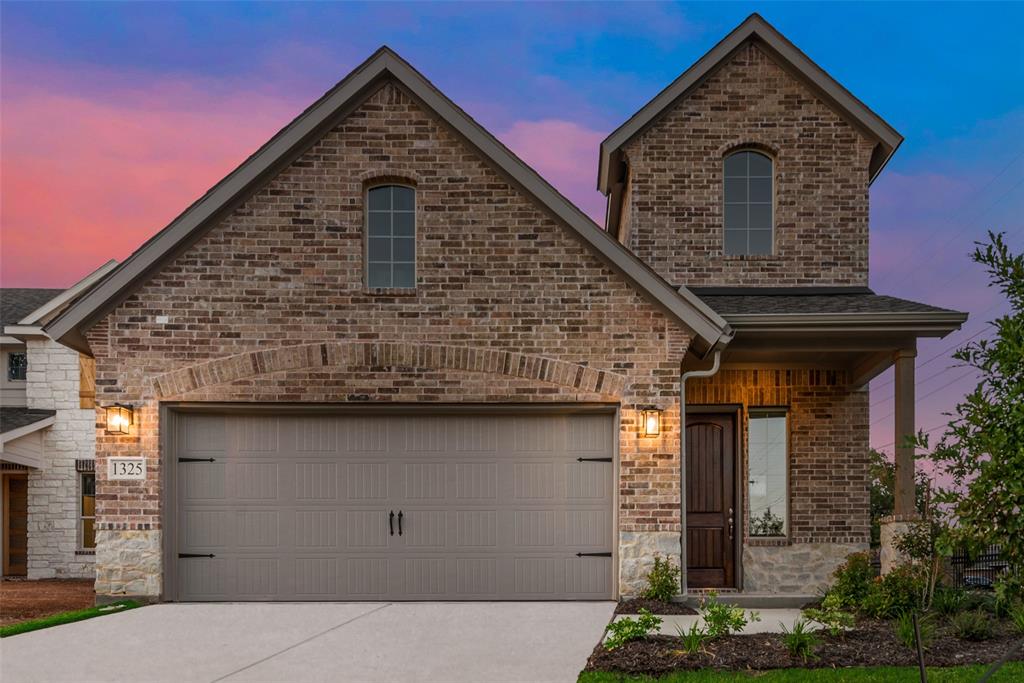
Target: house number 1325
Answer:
[[126, 468]]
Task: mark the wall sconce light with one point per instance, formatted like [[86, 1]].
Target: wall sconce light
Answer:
[[650, 424], [119, 418]]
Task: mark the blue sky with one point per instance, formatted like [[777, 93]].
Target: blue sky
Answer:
[[118, 115]]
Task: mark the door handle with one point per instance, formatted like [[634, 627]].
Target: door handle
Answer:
[[391, 522], [730, 524], [399, 522]]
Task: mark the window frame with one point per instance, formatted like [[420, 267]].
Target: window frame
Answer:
[[82, 517], [391, 287], [751, 149], [10, 356], [763, 412]]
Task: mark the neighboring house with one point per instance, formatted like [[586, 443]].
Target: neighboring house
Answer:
[[47, 439], [384, 359]]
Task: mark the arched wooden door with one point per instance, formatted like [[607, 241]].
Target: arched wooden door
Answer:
[[711, 514]]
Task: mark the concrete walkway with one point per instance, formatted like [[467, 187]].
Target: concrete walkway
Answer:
[[770, 621], [352, 642]]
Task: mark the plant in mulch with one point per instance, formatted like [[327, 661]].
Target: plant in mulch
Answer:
[[853, 581], [1017, 616], [904, 629], [801, 641], [721, 619], [974, 626], [901, 590], [830, 617], [627, 629], [949, 601], [692, 639], [662, 580]]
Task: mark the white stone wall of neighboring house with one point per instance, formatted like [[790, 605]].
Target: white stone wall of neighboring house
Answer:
[[53, 492]]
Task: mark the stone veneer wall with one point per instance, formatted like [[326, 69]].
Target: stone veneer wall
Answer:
[[52, 383], [829, 512], [270, 306]]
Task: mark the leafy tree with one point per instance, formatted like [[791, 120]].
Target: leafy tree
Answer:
[[883, 482]]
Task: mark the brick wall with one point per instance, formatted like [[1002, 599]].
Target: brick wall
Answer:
[[673, 214]]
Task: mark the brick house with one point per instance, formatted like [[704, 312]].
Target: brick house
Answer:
[[384, 359]]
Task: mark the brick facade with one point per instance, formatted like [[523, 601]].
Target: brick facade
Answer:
[[672, 215]]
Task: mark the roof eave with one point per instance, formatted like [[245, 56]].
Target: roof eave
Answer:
[[918, 323]]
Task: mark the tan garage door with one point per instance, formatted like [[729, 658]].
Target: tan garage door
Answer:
[[393, 507]]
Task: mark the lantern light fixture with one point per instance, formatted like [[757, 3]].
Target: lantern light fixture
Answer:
[[650, 421], [119, 418]]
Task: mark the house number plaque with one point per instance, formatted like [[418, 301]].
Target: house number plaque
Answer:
[[126, 468]]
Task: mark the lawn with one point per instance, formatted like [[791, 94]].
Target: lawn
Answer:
[[1011, 671], [66, 618]]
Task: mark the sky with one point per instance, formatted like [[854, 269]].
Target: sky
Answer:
[[116, 116]]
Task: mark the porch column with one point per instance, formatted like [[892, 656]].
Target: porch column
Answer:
[[904, 510]]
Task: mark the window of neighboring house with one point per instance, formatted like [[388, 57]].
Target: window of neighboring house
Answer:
[[87, 512], [17, 366], [391, 237], [768, 488], [749, 196]]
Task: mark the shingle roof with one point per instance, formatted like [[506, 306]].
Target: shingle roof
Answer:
[[17, 302], [767, 300], [14, 418]]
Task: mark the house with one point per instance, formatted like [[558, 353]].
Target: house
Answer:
[[384, 359], [47, 439]]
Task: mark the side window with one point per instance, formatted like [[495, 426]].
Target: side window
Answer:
[[749, 193], [391, 237], [17, 366], [768, 489], [87, 511]]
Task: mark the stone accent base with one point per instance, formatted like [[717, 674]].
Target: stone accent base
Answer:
[[128, 564], [803, 568], [636, 557], [891, 528]]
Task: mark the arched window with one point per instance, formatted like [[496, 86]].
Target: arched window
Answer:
[[749, 216], [391, 237]]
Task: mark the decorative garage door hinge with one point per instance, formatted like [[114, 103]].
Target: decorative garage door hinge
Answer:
[[195, 555], [196, 460], [593, 554], [593, 459]]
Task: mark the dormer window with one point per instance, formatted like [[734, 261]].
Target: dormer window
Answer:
[[749, 193], [391, 237]]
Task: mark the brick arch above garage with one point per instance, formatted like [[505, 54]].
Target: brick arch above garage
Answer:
[[386, 354]]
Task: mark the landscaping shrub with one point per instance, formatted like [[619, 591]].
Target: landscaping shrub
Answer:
[[626, 629], [693, 639], [982, 600], [721, 619], [899, 591], [853, 580], [905, 629], [1017, 616], [834, 620], [662, 580], [974, 625], [801, 641], [949, 601]]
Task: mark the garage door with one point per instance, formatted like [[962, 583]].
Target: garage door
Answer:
[[393, 507]]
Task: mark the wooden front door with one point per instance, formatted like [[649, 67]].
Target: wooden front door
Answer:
[[710, 504], [15, 525]]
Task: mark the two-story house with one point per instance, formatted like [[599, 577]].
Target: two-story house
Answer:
[[384, 359]]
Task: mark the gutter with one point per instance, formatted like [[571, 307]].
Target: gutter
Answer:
[[683, 376], [941, 322]]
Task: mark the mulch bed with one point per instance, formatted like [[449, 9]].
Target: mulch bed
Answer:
[[871, 643], [22, 599], [633, 606]]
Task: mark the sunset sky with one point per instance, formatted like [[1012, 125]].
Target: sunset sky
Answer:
[[115, 117]]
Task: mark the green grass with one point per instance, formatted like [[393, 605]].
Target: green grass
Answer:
[[1011, 671], [66, 618]]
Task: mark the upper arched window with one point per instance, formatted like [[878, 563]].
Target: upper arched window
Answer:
[[748, 203], [391, 237]]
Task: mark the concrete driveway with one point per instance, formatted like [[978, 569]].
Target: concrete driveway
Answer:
[[352, 642]]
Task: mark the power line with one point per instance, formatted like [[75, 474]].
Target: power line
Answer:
[[927, 431], [930, 393]]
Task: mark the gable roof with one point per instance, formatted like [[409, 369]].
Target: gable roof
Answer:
[[17, 302], [790, 57], [710, 329]]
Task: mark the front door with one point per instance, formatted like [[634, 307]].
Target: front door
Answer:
[[15, 524], [710, 504]]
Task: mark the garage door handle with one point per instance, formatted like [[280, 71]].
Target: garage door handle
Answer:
[[593, 460], [593, 554], [399, 522], [196, 460], [194, 555], [391, 522]]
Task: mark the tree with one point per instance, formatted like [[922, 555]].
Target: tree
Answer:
[[882, 471], [982, 450]]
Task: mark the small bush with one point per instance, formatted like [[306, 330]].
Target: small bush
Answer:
[[801, 641], [627, 629], [974, 625], [721, 619], [662, 580], [693, 639], [905, 630], [853, 580], [1017, 616], [949, 601], [834, 620], [985, 601], [899, 591]]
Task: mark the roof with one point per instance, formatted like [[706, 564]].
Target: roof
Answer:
[[709, 329], [12, 419], [17, 302], [757, 29]]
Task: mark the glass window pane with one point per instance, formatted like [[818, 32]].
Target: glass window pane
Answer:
[[760, 216], [17, 366], [88, 533], [760, 242], [736, 165], [760, 190], [379, 198], [405, 275], [378, 274], [404, 224], [404, 198], [735, 216], [735, 189], [767, 490], [380, 249], [404, 249], [379, 223], [735, 242], [760, 165]]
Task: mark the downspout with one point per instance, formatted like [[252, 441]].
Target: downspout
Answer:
[[716, 360]]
